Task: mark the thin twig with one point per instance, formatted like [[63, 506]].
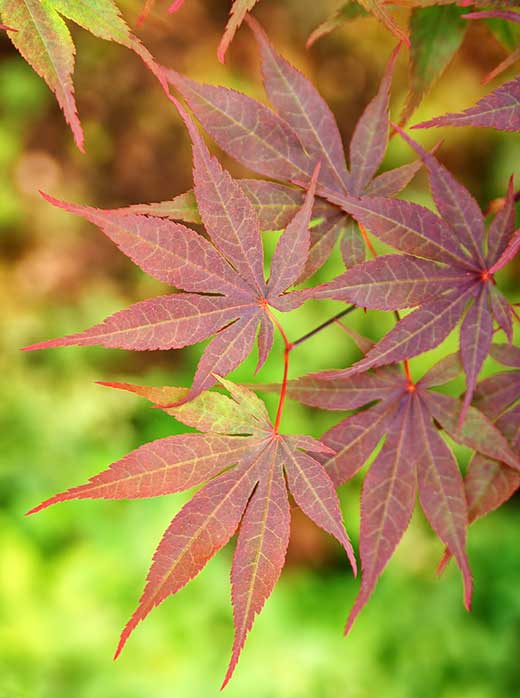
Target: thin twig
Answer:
[[323, 325]]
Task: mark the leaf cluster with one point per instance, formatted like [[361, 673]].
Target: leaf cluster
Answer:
[[442, 275]]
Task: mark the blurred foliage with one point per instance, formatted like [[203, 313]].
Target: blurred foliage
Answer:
[[70, 577]]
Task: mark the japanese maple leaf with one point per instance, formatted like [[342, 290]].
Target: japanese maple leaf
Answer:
[[286, 145], [444, 270], [436, 34], [500, 110], [251, 497], [414, 457], [44, 41], [229, 266]]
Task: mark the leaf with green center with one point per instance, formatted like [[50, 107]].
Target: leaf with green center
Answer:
[[251, 497]]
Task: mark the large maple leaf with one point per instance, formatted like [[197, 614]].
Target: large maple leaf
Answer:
[[44, 40], [223, 277], [414, 457], [251, 497], [286, 145], [444, 269]]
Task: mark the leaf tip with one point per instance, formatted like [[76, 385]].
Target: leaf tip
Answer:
[[443, 562], [175, 6]]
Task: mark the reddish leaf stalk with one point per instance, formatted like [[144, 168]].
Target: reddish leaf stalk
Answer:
[[406, 363], [366, 240], [289, 346], [283, 391], [411, 385]]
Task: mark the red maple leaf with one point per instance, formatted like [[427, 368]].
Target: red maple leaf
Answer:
[[251, 497]]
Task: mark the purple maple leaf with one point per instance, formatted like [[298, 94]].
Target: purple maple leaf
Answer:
[[414, 457], [445, 271], [287, 143]]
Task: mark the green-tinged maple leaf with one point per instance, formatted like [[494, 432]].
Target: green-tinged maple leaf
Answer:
[[43, 39], [436, 34], [252, 496]]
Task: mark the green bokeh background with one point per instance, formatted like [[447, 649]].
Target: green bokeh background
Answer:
[[70, 577]]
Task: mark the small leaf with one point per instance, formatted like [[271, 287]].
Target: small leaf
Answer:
[[239, 11], [418, 332], [44, 41], [454, 202], [173, 464], [247, 130], [502, 227], [345, 13], [202, 527], [500, 110]]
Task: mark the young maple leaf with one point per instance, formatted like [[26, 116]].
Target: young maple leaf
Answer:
[[230, 267], [500, 110], [436, 34], [352, 10], [43, 39], [413, 457], [345, 13], [286, 145], [444, 269], [251, 497]]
